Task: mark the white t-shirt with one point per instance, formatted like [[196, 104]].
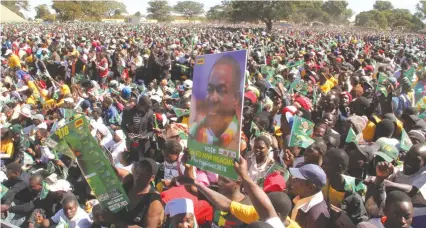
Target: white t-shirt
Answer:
[[172, 169], [80, 220], [275, 222]]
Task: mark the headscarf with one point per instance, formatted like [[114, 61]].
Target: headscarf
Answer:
[[359, 122]]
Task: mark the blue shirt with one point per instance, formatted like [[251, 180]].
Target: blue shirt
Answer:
[[111, 116]]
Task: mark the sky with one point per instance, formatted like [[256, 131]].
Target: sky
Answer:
[[134, 6]]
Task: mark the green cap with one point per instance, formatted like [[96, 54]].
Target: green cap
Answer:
[[387, 151], [16, 128]]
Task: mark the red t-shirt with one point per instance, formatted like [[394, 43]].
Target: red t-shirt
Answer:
[[103, 73], [202, 209]]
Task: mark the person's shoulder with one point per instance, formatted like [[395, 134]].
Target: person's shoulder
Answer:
[[318, 210]]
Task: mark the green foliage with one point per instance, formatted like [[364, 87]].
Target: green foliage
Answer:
[[267, 12], [89, 10], [393, 19], [189, 8], [382, 5], [42, 11], [337, 10], [219, 12], [159, 10], [138, 14], [16, 6], [421, 9]]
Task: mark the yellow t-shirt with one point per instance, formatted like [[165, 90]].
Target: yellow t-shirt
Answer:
[[328, 85], [31, 85], [248, 214], [30, 100], [14, 61], [6, 148]]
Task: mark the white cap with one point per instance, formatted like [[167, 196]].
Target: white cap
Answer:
[[179, 206], [187, 84]]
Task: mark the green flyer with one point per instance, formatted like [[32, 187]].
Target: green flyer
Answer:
[[93, 163], [3, 190]]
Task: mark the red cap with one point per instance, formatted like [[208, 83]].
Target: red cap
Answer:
[[251, 96], [274, 182], [302, 101], [369, 68], [28, 51], [94, 44]]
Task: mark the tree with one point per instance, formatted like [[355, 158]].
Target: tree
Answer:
[[138, 14], [17, 6], [337, 10], [372, 18], [68, 10], [115, 8], [90, 10], [267, 12], [421, 9], [42, 11], [159, 10], [382, 5], [219, 13], [189, 8]]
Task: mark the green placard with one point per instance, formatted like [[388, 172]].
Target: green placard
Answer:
[[93, 163], [405, 141], [3, 190], [181, 112], [213, 158]]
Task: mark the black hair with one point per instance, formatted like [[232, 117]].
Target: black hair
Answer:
[[384, 128], [148, 165], [264, 139], [338, 157], [145, 101], [259, 224], [281, 202], [172, 147], [14, 167], [396, 196], [263, 119], [69, 199], [37, 177], [319, 144]]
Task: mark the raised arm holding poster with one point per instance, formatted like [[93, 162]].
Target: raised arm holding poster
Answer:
[[216, 109], [94, 164]]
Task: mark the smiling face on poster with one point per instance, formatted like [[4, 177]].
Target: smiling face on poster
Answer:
[[216, 109]]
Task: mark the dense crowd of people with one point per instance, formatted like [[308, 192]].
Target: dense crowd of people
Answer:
[[362, 163]]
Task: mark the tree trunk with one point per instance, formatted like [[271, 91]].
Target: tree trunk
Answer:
[[268, 25]]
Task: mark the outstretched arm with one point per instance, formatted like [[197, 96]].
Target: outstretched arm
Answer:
[[257, 196]]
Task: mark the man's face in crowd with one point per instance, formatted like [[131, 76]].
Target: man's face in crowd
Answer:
[[312, 156], [35, 186], [70, 209], [299, 187], [10, 174], [399, 215], [319, 131], [226, 185], [413, 162], [182, 221], [330, 119], [221, 91], [170, 158]]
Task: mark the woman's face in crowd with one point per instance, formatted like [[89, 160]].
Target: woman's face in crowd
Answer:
[[170, 158], [260, 150], [70, 209], [345, 100], [183, 221]]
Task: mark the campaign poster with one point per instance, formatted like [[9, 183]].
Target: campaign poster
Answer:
[[94, 164], [216, 110]]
